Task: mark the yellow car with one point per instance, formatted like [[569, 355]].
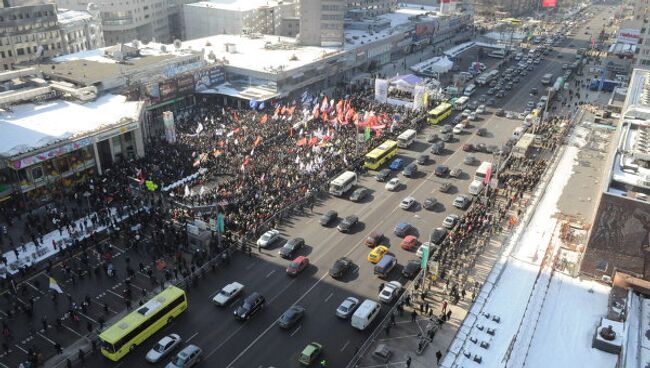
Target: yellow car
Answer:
[[377, 253]]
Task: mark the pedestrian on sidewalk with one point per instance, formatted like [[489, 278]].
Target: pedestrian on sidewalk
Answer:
[[438, 356], [444, 306], [58, 348], [414, 315], [408, 361], [448, 314]]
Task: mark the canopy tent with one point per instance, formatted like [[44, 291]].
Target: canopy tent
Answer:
[[433, 66], [405, 82]]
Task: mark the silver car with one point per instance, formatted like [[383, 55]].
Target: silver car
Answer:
[[186, 358], [347, 307], [166, 345]]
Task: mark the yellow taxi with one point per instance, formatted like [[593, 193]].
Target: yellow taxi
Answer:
[[377, 253]]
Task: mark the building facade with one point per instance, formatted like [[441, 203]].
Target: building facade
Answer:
[[27, 33], [321, 22], [80, 30]]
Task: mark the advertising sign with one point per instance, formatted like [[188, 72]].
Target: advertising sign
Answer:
[[168, 89], [549, 3], [628, 36], [184, 84], [381, 90], [170, 128], [55, 152], [209, 77]]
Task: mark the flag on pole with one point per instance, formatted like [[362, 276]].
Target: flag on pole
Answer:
[[55, 286]]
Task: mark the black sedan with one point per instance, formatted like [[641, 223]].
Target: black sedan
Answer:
[[411, 269], [382, 175], [340, 267], [328, 217], [348, 223], [359, 194], [290, 248], [438, 235], [442, 170], [292, 316]]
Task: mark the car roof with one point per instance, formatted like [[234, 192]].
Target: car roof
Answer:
[[299, 259], [403, 224]]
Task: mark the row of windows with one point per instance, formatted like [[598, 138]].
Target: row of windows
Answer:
[[38, 14], [331, 8]]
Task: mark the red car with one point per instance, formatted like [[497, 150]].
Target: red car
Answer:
[[410, 242], [297, 265]]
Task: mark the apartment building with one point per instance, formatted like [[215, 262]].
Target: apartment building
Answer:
[[80, 30]]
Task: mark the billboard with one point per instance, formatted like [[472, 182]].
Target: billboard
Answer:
[[381, 90], [168, 89], [549, 3], [184, 84], [628, 36], [209, 77]]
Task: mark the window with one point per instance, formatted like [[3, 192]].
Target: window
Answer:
[[10, 53], [37, 173], [20, 51]]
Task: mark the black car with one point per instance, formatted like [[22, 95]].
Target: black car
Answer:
[[438, 235], [347, 223], [442, 170], [423, 159], [359, 194], [251, 305], [481, 132], [481, 147], [382, 175], [328, 217], [289, 318], [290, 248], [410, 170], [411, 269], [437, 148], [340, 267]]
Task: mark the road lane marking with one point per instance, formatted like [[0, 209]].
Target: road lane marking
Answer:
[[34, 287], [114, 293], [191, 337], [328, 297], [345, 346], [270, 273], [19, 347], [251, 265], [296, 330], [46, 338], [87, 317], [74, 331]]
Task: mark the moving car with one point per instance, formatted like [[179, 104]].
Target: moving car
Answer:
[[393, 184], [377, 253], [396, 164], [328, 217], [409, 242], [297, 265], [348, 223], [268, 238], [228, 294], [250, 306], [461, 202], [359, 194], [164, 346], [411, 269], [429, 203], [291, 316], [310, 353], [186, 358], [373, 239], [340, 267], [291, 247], [407, 203], [382, 175], [450, 221], [402, 228], [347, 307], [390, 291]]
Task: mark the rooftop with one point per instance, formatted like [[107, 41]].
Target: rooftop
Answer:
[[31, 126], [235, 5], [66, 16]]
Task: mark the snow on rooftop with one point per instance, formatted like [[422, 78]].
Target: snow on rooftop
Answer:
[[90, 55], [237, 5], [30, 126], [264, 53], [69, 16]]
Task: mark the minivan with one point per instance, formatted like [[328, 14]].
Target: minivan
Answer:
[[385, 265], [365, 314]]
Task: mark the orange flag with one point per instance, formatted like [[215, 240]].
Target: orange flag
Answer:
[[301, 142], [264, 119], [257, 141], [313, 141], [291, 110]]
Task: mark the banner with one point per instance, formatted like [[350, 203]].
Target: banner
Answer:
[[381, 90], [209, 77], [170, 128], [418, 97], [628, 36], [549, 3]]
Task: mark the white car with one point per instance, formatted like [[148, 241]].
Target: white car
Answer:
[[268, 238], [165, 346], [458, 128], [347, 307], [393, 184], [450, 221], [480, 109], [510, 115], [227, 294], [473, 116], [421, 249], [407, 203], [390, 291]]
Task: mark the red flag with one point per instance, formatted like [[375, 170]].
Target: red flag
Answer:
[[247, 161], [235, 116], [291, 110], [301, 142], [284, 110], [264, 119], [339, 106], [313, 141], [277, 110]]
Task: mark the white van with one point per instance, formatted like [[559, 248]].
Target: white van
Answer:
[[365, 314], [519, 131], [469, 90], [475, 187]]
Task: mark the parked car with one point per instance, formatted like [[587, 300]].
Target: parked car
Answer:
[[268, 238], [438, 235], [481, 132], [445, 187], [407, 203], [359, 194], [390, 291], [297, 265], [374, 238], [382, 175], [393, 184], [290, 248], [441, 170], [429, 203], [409, 242], [470, 160], [186, 358], [396, 164], [377, 253], [461, 202], [328, 217], [456, 172], [411, 269], [410, 170], [402, 229], [423, 159], [450, 221]]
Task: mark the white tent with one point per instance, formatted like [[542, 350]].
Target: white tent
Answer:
[[433, 66]]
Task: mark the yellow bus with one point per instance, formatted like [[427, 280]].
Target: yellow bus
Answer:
[[379, 155], [440, 113], [132, 330]]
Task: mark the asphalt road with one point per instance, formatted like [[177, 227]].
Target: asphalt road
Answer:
[[260, 342]]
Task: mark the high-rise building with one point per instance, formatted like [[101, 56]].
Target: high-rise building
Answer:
[[321, 22], [80, 30]]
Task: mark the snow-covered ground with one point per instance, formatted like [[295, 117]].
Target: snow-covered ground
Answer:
[[567, 311]]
